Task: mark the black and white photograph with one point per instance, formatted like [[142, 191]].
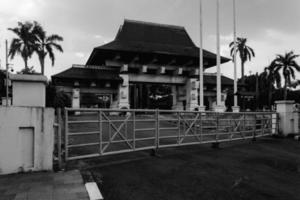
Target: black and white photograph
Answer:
[[149, 100]]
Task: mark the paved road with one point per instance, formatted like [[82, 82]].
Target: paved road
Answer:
[[43, 186]]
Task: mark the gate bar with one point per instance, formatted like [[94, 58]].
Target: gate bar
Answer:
[[66, 135], [59, 120]]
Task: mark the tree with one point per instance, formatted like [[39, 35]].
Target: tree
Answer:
[[249, 95], [288, 65], [245, 52], [56, 98], [44, 45], [271, 75], [24, 43]]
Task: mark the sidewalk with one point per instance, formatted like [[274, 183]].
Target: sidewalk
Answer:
[[43, 186]]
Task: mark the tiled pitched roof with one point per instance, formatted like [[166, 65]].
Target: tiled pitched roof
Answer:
[[145, 37], [153, 33], [88, 73]]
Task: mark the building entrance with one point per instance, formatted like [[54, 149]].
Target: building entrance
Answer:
[[150, 96]]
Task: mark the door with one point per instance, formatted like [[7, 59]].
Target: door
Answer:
[[27, 147]]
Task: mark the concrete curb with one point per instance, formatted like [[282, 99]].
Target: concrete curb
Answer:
[[91, 186], [93, 191]]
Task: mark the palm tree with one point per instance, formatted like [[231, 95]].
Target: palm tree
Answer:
[[288, 65], [245, 52], [271, 77], [45, 44], [23, 44]]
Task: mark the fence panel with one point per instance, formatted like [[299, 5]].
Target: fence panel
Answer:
[[97, 132]]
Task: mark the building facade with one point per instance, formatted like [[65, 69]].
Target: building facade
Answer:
[[147, 65]]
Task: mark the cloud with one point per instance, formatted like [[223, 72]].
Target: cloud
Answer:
[[275, 34], [223, 38], [225, 50], [80, 54], [22, 9], [102, 38], [226, 38]]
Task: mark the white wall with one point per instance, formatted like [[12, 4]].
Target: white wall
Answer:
[[123, 95], [29, 94], [192, 94], [288, 123], [16, 126]]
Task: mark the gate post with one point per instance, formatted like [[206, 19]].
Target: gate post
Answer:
[[100, 131], [66, 135], [254, 132], [157, 129], [285, 109], [59, 122], [215, 145], [154, 151]]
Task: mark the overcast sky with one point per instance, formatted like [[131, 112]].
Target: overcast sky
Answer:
[[271, 26]]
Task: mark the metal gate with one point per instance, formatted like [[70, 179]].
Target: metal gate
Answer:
[[97, 132]]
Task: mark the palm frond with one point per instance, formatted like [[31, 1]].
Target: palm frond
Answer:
[[295, 65], [54, 38], [251, 51], [277, 78], [292, 72], [56, 46], [15, 31], [51, 54], [15, 48], [231, 44]]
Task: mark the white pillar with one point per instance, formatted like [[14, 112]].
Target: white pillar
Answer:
[[201, 68], [285, 109], [124, 92], [235, 107], [219, 107], [76, 98], [174, 95], [191, 94]]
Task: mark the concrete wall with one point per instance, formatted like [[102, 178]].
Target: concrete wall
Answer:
[[28, 90], [29, 94], [289, 117], [26, 139]]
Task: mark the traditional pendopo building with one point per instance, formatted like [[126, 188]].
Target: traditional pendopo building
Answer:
[[147, 65]]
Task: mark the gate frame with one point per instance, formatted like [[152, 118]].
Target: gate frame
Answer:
[[198, 127]]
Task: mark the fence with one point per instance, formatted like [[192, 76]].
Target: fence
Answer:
[[97, 132]]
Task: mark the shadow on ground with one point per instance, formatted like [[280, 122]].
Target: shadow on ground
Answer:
[[266, 169]]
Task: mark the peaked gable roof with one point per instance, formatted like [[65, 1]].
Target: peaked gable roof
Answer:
[[87, 73], [147, 32], [152, 38]]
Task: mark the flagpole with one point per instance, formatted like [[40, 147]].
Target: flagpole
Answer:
[[235, 89], [6, 59], [201, 92], [218, 60]]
